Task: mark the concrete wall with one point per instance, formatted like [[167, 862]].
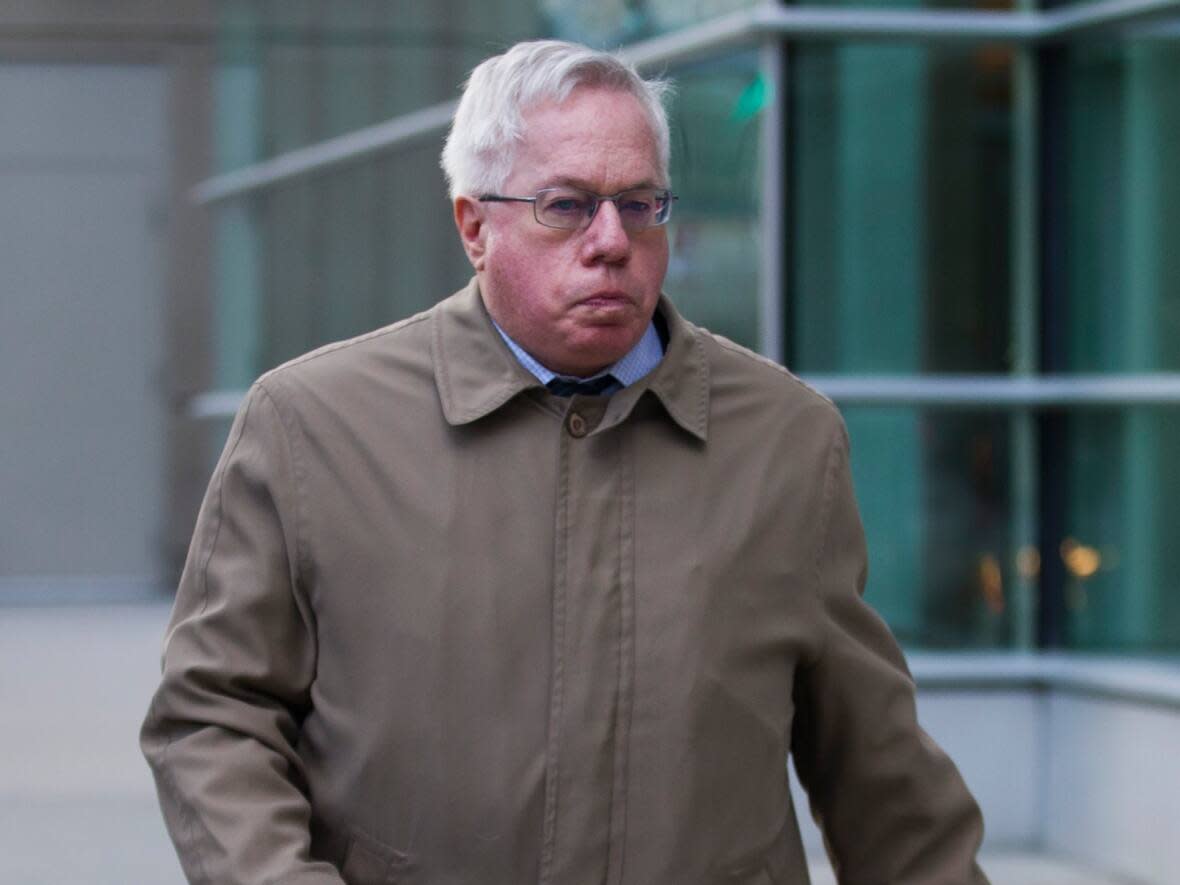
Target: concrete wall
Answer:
[[1113, 785], [104, 299], [1077, 758], [83, 186]]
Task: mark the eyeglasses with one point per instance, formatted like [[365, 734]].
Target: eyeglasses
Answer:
[[571, 208]]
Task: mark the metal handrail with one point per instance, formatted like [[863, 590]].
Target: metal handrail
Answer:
[[1000, 391], [928, 391], [1087, 18], [349, 148], [744, 28]]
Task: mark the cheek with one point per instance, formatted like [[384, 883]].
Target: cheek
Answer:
[[521, 279], [655, 265], [504, 259], [535, 268]]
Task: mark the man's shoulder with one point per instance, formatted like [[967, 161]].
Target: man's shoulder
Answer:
[[401, 348], [737, 369]]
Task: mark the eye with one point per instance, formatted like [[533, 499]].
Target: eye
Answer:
[[639, 204], [566, 204]]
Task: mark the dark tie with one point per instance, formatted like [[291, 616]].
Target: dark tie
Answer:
[[593, 387]]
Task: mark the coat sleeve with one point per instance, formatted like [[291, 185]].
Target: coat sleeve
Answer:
[[239, 659], [891, 805]]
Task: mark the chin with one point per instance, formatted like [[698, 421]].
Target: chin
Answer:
[[596, 358]]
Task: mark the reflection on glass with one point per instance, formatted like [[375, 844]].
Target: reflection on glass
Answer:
[[610, 23], [716, 114], [899, 263], [900, 191], [1123, 205], [1122, 562], [342, 255], [329, 256], [1120, 209], [326, 68], [988, 5], [942, 568]]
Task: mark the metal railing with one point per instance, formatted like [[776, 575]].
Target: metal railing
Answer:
[[1000, 391]]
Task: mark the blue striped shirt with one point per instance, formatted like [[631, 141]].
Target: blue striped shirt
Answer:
[[636, 363]]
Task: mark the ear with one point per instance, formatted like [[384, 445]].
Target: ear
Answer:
[[473, 229]]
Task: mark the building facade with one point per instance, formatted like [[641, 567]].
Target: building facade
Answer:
[[952, 220]]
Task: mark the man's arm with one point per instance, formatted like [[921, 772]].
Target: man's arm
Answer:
[[893, 808], [238, 662]]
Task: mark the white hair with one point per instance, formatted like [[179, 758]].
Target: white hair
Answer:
[[489, 123]]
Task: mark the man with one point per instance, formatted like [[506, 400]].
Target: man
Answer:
[[442, 623]]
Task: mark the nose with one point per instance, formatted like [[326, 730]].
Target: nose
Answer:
[[606, 239]]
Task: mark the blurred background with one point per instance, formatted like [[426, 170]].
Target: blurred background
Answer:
[[951, 217]]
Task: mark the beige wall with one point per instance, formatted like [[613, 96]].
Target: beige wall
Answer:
[[113, 103]]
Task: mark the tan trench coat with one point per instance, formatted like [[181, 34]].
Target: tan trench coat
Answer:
[[438, 626]]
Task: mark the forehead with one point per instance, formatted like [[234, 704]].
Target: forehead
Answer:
[[596, 138]]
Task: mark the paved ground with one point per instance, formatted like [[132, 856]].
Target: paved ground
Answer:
[[77, 806], [1006, 868]]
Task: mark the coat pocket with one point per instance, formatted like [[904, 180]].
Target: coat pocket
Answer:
[[369, 861], [752, 877], [778, 862]]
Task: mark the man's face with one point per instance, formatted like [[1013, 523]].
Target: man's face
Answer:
[[576, 300]]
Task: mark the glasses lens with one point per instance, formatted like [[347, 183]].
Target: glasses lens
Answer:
[[566, 208], [644, 208], [569, 208]]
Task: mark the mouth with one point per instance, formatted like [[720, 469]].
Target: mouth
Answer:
[[606, 300]]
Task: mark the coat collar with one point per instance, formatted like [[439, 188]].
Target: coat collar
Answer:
[[476, 373]]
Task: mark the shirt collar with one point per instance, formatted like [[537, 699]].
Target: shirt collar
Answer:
[[637, 362], [476, 373]]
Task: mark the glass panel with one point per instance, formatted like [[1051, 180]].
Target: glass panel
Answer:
[[1119, 210], [987, 5], [937, 498], [329, 68], [713, 275], [236, 143], [899, 263], [354, 250], [610, 23], [1121, 558], [901, 205], [1123, 205]]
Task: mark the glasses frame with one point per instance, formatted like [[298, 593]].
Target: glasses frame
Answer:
[[596, 201]]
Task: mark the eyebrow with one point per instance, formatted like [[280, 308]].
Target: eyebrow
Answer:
[[582, 184]]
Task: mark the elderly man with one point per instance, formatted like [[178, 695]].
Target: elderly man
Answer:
[[543, 584]]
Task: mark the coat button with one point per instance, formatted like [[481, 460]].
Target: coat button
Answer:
[[577, 425]]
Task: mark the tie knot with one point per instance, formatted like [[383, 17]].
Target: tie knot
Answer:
[[570, 386]]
